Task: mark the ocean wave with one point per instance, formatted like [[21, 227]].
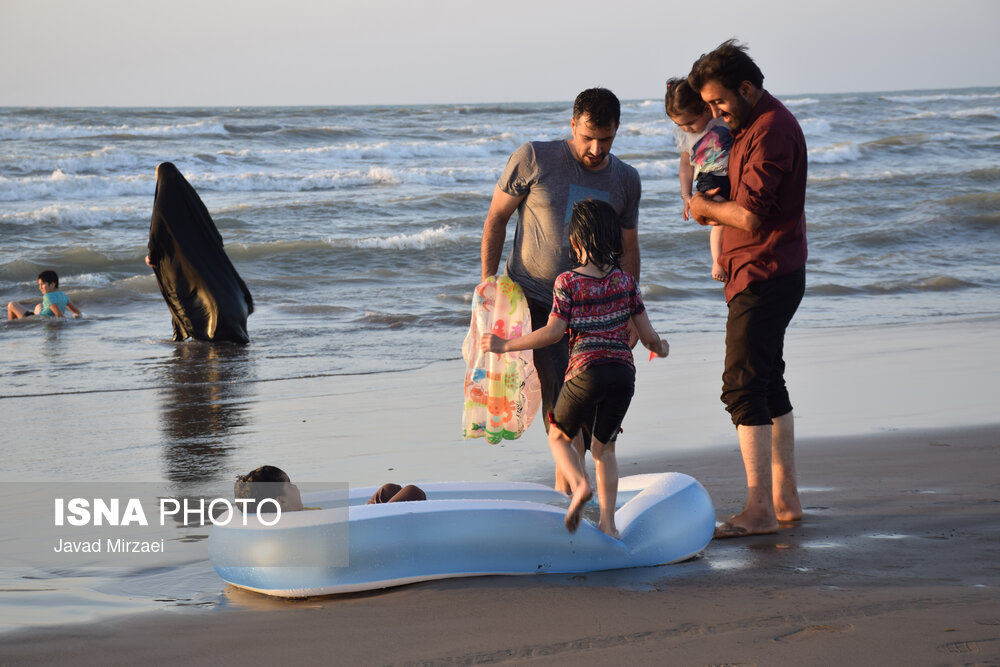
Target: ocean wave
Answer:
[[60, 185], [659, 128], [78, 267], [901, 140], [978, 112], [814, 126], [930, 284], [44, 131], [389, 320], [845, 151], [421, 240], [923, 115], [655, 292], [939, 97], [99, 160], [77, 216], [980, 201], [321, 132], [799, 102], [888, 288], [833, 289], [393, 150]]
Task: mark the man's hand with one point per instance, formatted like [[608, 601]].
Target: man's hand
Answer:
[[698, 208]]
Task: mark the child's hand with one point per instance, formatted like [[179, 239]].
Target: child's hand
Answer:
[[687, 208], [491, 343], [663, 349]]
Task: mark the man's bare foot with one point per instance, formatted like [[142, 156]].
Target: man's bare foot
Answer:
[[740, 525], [788, 508], [576, 507], [719, 273]]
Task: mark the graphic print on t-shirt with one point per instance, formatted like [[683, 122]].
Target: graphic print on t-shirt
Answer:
[[580, 193], [711, 153]]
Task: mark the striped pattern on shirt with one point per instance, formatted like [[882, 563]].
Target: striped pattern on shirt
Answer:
[[597, 312]]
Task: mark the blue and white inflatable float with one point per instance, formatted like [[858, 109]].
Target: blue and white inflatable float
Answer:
[[462, 529]]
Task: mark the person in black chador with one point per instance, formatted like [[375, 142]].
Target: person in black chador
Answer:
[[206, 296]]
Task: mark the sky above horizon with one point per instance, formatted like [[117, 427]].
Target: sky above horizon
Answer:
[[330, 52]]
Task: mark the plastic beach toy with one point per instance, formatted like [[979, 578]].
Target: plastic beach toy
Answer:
[[502, 392], [462, 529]]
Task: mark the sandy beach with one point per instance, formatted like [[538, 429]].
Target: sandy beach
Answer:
[[894, 563]]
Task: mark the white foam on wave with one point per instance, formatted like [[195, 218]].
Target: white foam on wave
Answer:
[[940, 97], [100, 160], [923, 115], [799, 102], [60, 185], [392, 150], [421, 240], [814, 126], [656, 168], [844, 151], [984, 112], [42, 131], [74, 215], [663, 128]]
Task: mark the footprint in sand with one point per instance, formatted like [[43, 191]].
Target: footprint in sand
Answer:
[[972, 646], [812, 632]]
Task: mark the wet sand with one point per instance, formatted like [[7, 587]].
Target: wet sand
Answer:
[[896, 562]]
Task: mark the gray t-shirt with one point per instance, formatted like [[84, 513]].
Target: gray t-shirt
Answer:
[[552, 180]]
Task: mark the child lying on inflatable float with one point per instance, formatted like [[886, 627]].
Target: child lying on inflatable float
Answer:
[[462, 529], [274, 483]]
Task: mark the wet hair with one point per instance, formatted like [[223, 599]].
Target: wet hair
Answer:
[[729, 64], [681, 98], [594, 227], [601, 105], [49, 277], [259, 484]]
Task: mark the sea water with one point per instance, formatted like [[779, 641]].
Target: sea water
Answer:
[[357, 230]]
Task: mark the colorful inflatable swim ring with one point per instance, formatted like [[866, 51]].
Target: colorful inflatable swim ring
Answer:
[[502, 392], [461, 530]]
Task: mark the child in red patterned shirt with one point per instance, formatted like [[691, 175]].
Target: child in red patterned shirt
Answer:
[[596, 302]]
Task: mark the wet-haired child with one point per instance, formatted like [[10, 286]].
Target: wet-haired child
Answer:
[[704, 144], [596, 301], [54, 303]]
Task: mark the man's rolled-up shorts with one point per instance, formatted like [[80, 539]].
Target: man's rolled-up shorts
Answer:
[[753, 383], [550, 361]]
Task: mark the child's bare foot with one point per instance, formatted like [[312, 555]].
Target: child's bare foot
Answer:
[[580, 498], [719, 273], [608, 530]]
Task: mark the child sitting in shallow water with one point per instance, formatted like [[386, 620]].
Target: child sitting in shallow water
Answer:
[[54, 303], [596, 301]]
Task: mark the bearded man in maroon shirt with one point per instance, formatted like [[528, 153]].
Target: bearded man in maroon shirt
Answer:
[[764, 253]]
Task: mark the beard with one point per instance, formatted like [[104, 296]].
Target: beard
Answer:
[[738, 119]]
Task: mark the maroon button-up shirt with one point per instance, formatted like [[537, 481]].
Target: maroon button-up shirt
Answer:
[[767, 174]]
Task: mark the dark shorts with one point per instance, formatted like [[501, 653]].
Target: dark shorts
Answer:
[[597, 400], [753, 383], [708, 182], [551, 361]]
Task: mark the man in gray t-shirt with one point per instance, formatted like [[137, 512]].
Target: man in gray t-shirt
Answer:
[[542, 181]]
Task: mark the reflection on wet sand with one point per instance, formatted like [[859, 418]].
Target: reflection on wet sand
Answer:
[[202, 405]]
